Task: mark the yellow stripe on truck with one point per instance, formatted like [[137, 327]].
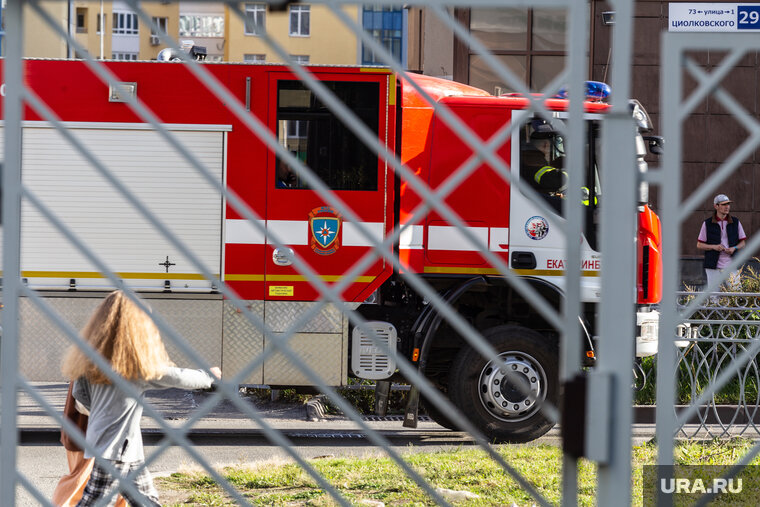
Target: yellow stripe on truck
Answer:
[[291, 278], [128, 276]]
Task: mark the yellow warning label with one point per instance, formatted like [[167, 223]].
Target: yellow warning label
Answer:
[[281, 290]]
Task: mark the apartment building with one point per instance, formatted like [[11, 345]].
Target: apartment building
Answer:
[[109, 29], [40, 40], [307, 33]]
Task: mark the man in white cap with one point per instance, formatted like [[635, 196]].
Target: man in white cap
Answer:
[[721, 237]]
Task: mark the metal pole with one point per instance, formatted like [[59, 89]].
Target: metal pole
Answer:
[[618, 232], [670, 91], [571, 348], [102, 29], [70, 19], [11, 180]]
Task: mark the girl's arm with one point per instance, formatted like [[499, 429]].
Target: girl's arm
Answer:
[[184, 378]]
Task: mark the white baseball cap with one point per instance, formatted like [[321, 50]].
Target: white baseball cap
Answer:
[[721, 199]]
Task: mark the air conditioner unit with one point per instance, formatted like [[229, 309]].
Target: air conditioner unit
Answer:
[[154, 40]]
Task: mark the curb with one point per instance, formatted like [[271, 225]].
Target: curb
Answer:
[[726, 415], [229, 436]]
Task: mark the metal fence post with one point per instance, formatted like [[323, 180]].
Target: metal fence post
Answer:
[[617, 314], [670, 93], [11, 181], [571, 349]]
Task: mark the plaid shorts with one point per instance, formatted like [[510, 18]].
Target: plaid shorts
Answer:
[[101, 483]]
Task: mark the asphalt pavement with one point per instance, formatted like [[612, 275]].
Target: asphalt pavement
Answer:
[[177, 406]]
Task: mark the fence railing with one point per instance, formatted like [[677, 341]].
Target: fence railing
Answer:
[[717, 346]]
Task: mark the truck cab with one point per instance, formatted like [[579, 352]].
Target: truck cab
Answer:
[[493, 225]]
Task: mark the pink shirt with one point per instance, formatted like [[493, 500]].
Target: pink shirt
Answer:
[[725, 258]]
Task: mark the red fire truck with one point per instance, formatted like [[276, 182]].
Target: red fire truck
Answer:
[[375, 201]]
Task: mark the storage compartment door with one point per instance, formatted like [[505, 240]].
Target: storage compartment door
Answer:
[[103, 218]]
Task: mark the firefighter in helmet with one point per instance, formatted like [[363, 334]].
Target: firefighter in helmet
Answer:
[[541, 165]]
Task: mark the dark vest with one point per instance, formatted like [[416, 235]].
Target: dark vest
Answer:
[[713, 238]]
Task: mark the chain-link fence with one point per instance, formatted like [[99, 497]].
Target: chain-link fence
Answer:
[[303, 224]]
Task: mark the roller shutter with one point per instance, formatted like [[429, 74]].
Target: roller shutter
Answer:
[[103, 218]]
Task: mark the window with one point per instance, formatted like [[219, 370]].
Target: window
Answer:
[[300, 59], [299, 20], [124, 56], [160, 26], [296, 129], [101, 18], [255, 17], [318, 138], [254, 58], [385, 24], [81, 19], [542, 166], [201, 26], [125, 23], [529, 42]]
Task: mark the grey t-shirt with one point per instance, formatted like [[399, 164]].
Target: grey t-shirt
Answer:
[[114, 426]]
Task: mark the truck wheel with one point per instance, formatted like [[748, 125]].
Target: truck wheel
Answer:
[[483, 392], [437, 415]]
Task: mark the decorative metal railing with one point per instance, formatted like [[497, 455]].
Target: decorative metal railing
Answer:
[[718, 365]]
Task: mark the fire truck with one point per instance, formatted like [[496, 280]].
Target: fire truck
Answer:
[[262, 261]]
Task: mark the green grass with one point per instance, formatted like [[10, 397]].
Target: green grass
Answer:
[[467, 469]]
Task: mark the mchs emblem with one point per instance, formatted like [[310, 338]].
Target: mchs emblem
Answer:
[[536, 228], [324, 230]]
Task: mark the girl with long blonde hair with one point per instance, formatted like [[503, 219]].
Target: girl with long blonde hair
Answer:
[[129, 341]]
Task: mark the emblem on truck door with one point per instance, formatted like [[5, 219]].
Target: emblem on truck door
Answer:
[[324, 230], [536, 228]]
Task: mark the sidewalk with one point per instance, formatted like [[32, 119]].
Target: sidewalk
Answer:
[[178, 405]]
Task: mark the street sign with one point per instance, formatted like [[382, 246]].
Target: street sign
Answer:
[[713, 17]]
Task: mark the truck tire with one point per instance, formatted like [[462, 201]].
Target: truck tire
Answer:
[[438, 415], [484, 394]]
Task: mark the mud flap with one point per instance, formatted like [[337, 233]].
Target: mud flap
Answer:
[[382, 391], [412, 410]]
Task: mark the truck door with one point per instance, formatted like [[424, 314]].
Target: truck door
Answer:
[[321, 233], [537, 238], [481, 199]]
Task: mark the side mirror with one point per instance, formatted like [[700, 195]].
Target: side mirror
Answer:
[[656, 144]]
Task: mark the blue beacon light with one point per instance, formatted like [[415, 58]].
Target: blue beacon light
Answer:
[[595, 91]]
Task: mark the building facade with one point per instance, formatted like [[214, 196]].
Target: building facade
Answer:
[[307, 33], [531, 42]]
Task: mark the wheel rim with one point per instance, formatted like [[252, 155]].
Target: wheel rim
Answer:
[[499, 394]]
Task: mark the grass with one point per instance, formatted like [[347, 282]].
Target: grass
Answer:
[[461, 469]]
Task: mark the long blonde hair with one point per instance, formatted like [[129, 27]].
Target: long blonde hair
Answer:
[[126, 337]]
